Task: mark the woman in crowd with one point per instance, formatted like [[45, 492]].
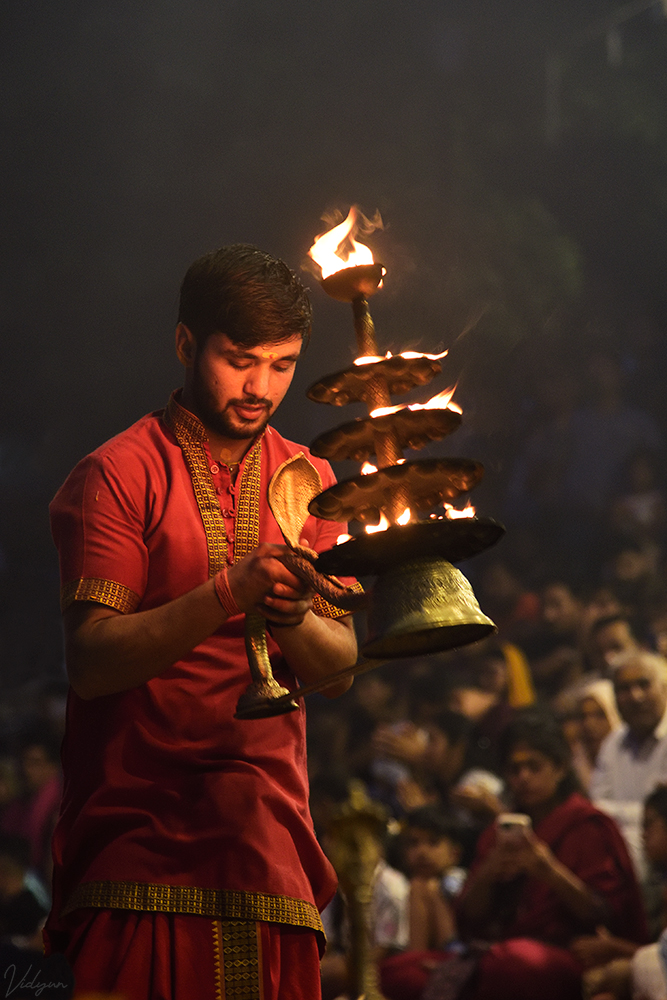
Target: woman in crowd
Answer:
[[534, 888], [598, 716], [539, 880]]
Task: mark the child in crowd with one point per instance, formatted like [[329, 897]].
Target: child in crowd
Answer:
[[432, 850]]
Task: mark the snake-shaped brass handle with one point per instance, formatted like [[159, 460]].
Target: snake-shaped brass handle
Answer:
[[259, 699], [300, 561]]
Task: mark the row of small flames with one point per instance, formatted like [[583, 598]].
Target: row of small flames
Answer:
[[326, 252]]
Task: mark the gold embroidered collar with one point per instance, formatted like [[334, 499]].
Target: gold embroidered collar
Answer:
[[192, 437]]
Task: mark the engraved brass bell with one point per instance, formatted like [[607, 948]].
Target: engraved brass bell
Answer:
[[422, 606]]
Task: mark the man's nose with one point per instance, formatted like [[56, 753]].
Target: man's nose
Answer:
[[257, 382]]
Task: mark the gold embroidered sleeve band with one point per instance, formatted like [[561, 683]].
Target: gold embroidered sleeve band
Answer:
[[109, 592], [221, 904], [323, 609]]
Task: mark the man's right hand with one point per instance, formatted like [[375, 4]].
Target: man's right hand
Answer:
[[261, 582]]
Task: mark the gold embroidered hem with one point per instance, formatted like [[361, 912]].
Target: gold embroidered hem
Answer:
[[324, 609], [223, 904], [237, 960], [109, 592]]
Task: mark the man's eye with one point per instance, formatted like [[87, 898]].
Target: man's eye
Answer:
[[283, 369], [239, 365]]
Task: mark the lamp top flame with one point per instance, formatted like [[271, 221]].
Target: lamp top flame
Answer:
[[337, 248]]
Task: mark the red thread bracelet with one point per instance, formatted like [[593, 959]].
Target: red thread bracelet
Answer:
[[224, 594]]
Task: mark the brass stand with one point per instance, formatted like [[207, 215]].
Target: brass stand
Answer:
[[356, 836]]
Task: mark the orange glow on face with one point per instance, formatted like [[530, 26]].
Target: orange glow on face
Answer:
[[443, 401], [338, 249]]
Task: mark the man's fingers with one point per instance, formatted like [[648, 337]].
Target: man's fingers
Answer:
[[284, 612]]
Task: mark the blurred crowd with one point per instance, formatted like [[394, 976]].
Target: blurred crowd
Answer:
[[525, 777], [30, 792]]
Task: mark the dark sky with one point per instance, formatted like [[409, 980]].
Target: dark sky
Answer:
[[136, 136]]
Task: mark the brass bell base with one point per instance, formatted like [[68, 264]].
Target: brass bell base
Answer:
[[260, 700], [422, 606]]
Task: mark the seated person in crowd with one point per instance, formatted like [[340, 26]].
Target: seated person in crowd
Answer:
[[633, 759], [609, 637], [556, 649], [432, 851], [532, 890], [597, 717], [431, 756]]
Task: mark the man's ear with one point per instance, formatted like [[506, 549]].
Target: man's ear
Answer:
[[186, 345]]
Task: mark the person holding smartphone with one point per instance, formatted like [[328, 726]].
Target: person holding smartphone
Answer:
[[539, 879]]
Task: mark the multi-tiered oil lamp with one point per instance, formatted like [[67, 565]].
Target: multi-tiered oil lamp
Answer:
[[420, 603]]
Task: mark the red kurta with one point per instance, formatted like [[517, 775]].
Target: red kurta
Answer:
[[164, 789]]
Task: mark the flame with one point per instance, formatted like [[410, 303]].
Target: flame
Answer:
[[405, 517], [367, 468], [442, 401], [382, 526], [382, 410], [338, 249], [431, 357], [370, 359], [343, 538], [452, 512]]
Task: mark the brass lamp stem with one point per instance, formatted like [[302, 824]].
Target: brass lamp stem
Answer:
[[387, 448], [364, 328]]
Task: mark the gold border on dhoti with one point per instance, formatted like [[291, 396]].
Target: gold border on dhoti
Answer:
[[221, 904]]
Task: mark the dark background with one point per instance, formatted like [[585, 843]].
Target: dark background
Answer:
[[522, 224]]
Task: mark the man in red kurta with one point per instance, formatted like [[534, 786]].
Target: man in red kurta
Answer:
[[185, 859]]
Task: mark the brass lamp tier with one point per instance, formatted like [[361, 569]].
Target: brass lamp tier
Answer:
[[358, 439], [356, 383], [353, 283], [423, 484], [371, 555]]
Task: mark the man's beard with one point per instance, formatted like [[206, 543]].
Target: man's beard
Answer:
[[223, 423]]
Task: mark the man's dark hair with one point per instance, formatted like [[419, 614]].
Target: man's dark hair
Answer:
[[540, 730], [246, 294], [602, 623]]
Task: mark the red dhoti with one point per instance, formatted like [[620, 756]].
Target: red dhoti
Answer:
[[162, 956]]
